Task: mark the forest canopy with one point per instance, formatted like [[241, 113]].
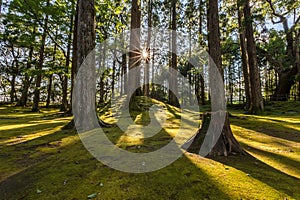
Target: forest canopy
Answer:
[[37, 47]]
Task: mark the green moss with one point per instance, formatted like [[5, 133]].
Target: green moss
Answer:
[[37, 155]]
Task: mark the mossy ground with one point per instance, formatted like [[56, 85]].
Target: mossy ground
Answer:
[[40, 160]]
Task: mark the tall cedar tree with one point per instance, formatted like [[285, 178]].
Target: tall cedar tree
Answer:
[[257, 105], [226, 144]]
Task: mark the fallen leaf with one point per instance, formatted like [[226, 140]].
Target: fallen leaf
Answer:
[[92, 196], [38, 191]]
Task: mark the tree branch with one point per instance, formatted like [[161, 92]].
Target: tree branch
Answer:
[[296, 22], [277, 65], [282, 20], [47, 31]]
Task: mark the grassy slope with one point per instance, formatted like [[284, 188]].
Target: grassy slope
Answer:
[[38, 160]]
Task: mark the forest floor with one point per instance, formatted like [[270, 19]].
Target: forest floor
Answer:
[[41, 160]]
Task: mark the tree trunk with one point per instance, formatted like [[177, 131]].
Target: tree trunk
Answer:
[[24, 95], [244, 55], [257, 106], [286, 81], [285, 84], [113, 76], [201, 87], [74, 57], [27, 81], [297, 50], [85, 44], [85, 30], [64, 104], [173, 82], [153, 69], [38, 81], [190, 66], [103, 75], [230, 82], [13, 88], [214, 144], [15, 70], [214, 47], [0, 8], [124, 75], [49, 91], [197, 87], [226, 144], [134, 53], [147, 67]]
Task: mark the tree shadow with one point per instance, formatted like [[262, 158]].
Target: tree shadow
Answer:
[[264, 172], [270, 129], [280, 159], [28, 130], [180, 180]]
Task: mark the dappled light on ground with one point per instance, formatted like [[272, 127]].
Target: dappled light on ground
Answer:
[[37, 154], [281, 154], [228, 180]]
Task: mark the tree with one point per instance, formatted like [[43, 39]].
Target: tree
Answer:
[[285, 64], [85, 32], [173, 82], [27, 79], [64, 78], [36, 99], [226, 144], [256, 106], [200, 87], [84, 44], [0, 8], [134, 51], [244, 54], [147, 66]]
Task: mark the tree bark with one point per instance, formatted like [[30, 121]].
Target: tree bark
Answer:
[[85, 44], [124, 73], [49, 91], [147, 67], [0, 8], [27, 80], [257, 106], [201, 86], [113, 76], [285, 84], [85, 31], [103, 75], [64, 104], [297, 50], [74, 57], [134, 53], [244, 55], [13, 88], [225, 144], [173, 91], [286, 67], [214, 44], [202, 89], [38, 81], [15, 71]]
